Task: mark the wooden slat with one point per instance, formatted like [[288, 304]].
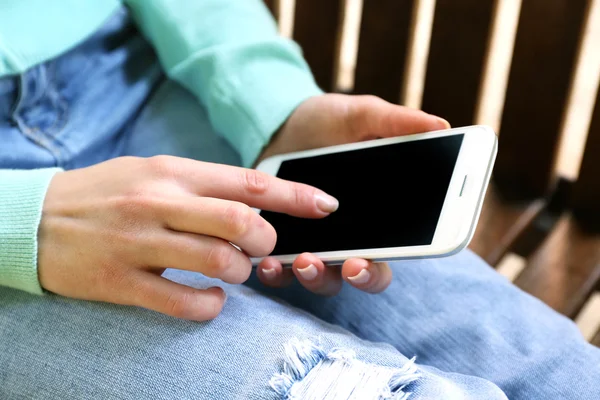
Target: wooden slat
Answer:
[[317, 28], [274, 5], [542, 226], [500, 225], [545, 53], [586, 192], [596, 340], [588, 319], [565, 270], [458, 51], [385, 32]]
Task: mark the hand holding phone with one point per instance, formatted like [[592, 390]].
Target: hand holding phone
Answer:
[[405, 197]]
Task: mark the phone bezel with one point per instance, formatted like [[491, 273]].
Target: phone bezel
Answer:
[[460, 212]]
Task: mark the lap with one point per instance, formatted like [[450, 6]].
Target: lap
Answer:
[[59, 348], [458, 314]]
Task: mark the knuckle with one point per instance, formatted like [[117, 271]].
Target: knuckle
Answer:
[[128, 162], [302, 195], [355, 120], [143, 293], [137, 204], [238, 219], [143, 202], [360, 112], [364, 104], [369, 98], [177, 304], [110, 276], [219, 258], [162, 166], [255, 182]]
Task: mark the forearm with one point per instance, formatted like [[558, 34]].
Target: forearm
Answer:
[[229, 54]]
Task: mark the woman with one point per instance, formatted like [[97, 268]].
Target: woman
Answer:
[[80, 89]]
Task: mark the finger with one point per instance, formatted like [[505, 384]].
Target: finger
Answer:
[[367, 276], [271, 273], [159, 294], [375, 117], [260, 190], [254, 188], [315, 276], [232, 221], [212, 257]]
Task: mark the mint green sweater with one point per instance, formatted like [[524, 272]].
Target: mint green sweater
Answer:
[[226, 52]]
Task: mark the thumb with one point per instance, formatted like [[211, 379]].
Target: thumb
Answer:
[[372, 117]]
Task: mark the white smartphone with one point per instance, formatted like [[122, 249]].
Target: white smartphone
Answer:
[[405, 197]]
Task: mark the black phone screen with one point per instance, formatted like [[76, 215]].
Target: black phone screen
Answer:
[[390, 196]]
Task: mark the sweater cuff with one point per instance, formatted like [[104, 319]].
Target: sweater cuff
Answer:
[[22, 196]]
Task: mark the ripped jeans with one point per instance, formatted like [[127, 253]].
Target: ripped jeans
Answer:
[[472, 333]]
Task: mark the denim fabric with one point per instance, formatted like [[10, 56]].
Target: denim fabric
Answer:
[[51, 115], [459, 315], [474, 335]]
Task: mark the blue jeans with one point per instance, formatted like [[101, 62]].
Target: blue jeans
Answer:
[[474, 334]]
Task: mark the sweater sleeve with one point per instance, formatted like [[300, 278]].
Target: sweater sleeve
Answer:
[[229, 54], [21, 199]]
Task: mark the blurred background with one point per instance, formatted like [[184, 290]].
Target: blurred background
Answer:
[[528, 68]]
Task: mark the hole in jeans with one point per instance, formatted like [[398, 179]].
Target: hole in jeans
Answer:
[[311, 373]]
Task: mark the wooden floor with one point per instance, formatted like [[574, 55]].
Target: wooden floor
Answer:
[[561, 260]]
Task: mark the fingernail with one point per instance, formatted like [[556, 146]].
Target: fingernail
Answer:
[[309, 273], [361, 278], [326, 203], [444, 123], [269, 273]]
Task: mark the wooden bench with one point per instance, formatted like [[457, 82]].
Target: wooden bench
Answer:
[[550, 221]]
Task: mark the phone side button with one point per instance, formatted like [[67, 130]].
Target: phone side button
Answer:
[[463, 188]]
